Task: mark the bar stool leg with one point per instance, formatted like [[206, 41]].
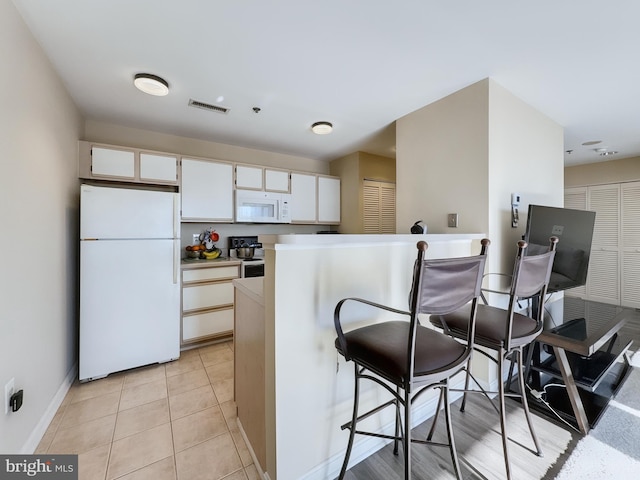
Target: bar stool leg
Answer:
[[452, 443], [406, 444], [503, 413], [525, 403], [354, 420]]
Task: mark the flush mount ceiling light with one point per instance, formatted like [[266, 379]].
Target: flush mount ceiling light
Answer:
[[592, 142], [151, 84], [321, 128]]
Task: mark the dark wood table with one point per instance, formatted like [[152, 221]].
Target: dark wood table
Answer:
[[580, 346]]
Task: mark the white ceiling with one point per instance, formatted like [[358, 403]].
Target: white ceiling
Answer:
[[360, 64]]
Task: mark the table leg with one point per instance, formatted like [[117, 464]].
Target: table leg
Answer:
[[572, 390]]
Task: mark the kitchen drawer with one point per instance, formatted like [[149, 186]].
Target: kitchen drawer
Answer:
[[197, 326], [209, 295], [214, 273]]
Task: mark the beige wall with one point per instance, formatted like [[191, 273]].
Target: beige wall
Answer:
[[133, 137], [376, 167], [613, 171], [526, 157], [347, 168], [466, 154], [442, 163], [352, 170], [39, 129]]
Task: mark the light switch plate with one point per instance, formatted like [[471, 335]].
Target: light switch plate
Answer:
[[452, 220]]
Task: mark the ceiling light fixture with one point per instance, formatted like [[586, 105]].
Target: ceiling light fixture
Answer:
[[321, 128], [603, 152], [591, 142], [151, 84]]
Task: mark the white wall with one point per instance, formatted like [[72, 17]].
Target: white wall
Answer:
[[39, 129]]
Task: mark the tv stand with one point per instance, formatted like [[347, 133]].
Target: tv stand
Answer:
[[577, 363]]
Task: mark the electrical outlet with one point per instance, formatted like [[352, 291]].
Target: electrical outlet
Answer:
[[9, 389], [452, 220], [196, 239]]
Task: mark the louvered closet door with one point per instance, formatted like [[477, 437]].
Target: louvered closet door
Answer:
[[576, 198], [603, 281], [630, 196], [379, 207]]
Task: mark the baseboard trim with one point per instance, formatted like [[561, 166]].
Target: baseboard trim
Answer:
[[41, 428], [263, 474]]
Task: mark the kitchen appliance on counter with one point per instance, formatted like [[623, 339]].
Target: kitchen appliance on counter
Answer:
[[250, 251], [129, 279]]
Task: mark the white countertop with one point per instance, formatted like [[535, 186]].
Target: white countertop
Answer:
[[307, 240]]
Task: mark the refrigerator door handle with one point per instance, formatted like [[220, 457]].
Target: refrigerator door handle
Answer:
[[176, 260], [176, 213]]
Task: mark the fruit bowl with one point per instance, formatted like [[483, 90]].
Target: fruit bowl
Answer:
[[191, 254]]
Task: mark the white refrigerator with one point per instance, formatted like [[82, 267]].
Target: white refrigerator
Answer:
[[129, 279]]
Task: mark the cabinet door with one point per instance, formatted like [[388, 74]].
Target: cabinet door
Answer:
[[158, 168], [207, 295], [603, 280], [208, 274], [206, 190], [303, 198], [630, 213], [328, 200], [108, 162], [199, 326], [249, 177], [379, 207], [276, 180]]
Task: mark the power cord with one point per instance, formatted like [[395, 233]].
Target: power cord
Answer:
[[540, 397]]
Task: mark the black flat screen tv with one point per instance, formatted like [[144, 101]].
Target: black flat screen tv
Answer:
[[574, 229]]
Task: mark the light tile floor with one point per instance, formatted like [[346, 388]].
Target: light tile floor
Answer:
[[175, 421]]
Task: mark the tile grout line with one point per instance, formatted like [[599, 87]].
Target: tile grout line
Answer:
[[173, 443], [113, 434]]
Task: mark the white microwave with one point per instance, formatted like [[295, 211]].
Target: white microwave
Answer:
[[262, 207]]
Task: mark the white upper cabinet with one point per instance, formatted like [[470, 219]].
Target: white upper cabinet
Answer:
[[108, 162], [158, 168], [303, 198], [276, 180], [206, 190], [249, 177], [315, 199], [328, 200], [253, 177], [121, 164]]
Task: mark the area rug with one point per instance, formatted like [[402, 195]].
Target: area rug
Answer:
[[612, 448]]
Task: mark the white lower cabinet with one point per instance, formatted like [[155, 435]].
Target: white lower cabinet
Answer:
[[199, 326], [207, 301]]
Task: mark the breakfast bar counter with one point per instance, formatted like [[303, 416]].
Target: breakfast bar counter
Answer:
[[308, 389]]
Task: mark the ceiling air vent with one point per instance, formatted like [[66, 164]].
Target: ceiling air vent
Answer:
[[208, 106]]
